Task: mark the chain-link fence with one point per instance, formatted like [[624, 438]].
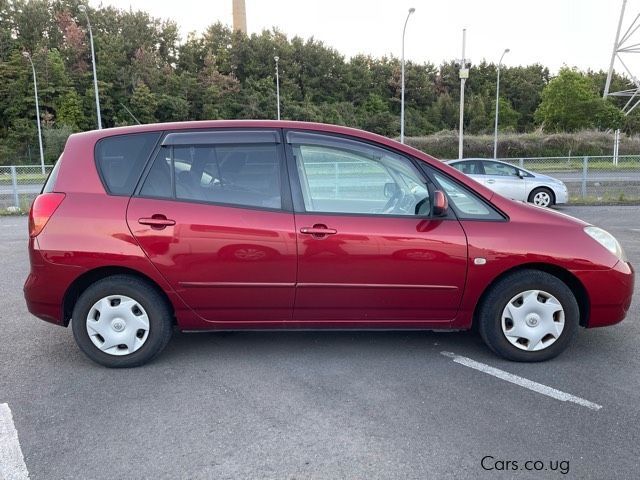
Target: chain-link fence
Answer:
[[592, 179], [19, 185]]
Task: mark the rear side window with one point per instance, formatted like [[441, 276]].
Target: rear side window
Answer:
[[52, 178], [470, 168], [121, 159], [238, 174]]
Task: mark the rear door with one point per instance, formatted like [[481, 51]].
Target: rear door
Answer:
[[472, 168], [369, 250], [214, 216]]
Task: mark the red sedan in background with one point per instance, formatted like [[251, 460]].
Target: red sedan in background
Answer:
[[262, 224]]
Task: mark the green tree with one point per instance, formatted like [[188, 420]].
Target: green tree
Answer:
[[508, 117], [571, 102], [54, 141], [143, 104], [69, 111]]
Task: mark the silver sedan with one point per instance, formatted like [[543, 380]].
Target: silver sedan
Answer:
[[514, 182]]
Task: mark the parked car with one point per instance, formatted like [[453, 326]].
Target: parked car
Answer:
[[267, 225], [514, 182]]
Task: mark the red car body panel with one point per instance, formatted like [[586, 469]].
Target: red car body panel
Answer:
[[226, 267], [228, 264], [399, 270]]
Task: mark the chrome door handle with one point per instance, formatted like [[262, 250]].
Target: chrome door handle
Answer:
[[491, 181]]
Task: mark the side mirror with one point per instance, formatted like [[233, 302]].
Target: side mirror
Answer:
[[440, 204], [390, 189]]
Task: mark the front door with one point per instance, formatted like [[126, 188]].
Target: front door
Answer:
[[212, 217], [505, 180], [368, 250]]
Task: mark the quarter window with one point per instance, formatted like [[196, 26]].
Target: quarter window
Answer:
[[368, 181], [121, 159], [246, 175]]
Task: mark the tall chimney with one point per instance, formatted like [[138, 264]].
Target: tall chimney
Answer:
[[239, 16]]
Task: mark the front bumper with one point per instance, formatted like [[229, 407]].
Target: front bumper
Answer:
[[610, 292], [562, 194]]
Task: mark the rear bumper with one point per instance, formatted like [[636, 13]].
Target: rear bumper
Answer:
[[610, 293], [46, 285]]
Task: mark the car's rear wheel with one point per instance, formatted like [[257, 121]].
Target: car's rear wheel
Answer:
[[121, 321], [543, 197], [528, 316]]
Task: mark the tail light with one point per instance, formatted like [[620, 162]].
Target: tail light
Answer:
[[43, 207]]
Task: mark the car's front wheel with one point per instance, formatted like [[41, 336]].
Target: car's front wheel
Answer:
[[528, 316], [543, 197], [121, 321]]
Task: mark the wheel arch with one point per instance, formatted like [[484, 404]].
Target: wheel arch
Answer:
[[574, 284], [80, 284]]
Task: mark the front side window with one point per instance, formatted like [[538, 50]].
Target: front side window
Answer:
[[500, 169], [337, 179], [244, 175], [466, 204]]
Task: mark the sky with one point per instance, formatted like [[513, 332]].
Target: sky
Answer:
[[552, 32]]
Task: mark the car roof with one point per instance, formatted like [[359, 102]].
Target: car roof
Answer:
[[214, 124], [93, 136], [456, 160]]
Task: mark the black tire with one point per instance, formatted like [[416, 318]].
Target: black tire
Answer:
[[155, 305], [493, 304], [548, 191]]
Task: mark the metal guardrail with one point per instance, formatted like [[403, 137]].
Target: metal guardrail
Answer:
[[594, 179]]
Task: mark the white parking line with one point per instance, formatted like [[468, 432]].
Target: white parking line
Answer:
[[523, 382], [12, 466]]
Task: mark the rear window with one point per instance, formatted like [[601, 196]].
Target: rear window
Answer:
[[122, 158], [49, 185]]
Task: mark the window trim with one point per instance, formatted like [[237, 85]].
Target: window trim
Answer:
[[219, 137], [286, 204], [329, 139]]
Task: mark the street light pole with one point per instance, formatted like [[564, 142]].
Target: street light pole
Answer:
[[35, 88], [464, 74], [411, 10], [276, 58], [83, 9], [495, 133]]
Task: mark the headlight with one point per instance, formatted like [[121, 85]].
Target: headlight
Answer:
[[607, 240]]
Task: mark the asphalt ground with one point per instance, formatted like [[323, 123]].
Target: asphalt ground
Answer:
[[323, 405]]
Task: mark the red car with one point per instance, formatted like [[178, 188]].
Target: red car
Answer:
[[261, 224]]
